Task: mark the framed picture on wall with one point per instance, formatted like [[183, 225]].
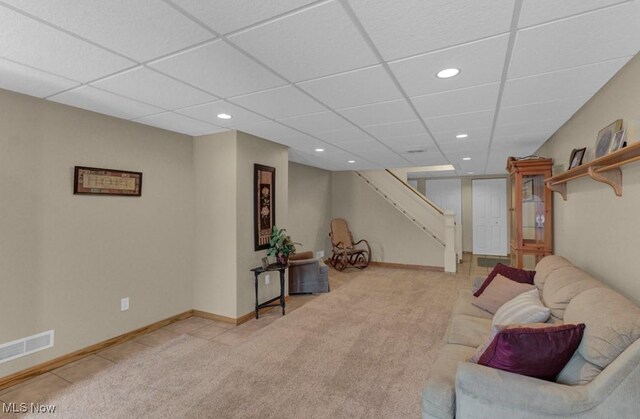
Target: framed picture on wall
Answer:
[[96, 181], [264, 204]]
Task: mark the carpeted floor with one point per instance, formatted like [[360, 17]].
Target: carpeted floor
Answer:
[[362, 351]]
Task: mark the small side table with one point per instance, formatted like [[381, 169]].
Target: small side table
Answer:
[[256, 273]]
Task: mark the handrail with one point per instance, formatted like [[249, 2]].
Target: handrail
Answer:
[[406, 185]]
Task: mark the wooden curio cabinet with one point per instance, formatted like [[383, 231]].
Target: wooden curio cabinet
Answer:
[[530, 211]]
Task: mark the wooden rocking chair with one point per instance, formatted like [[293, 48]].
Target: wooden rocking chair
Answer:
[[345, 252]]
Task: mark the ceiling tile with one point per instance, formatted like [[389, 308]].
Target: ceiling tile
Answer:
[[136, 29], [410, 142], [577, 81], [35, 44], [482, 133], [463, 121], [535, 139], [280, 102], [563, 108], [301, 141], [349, 135], [584, 39], [317, 122], [156, 89], [208, 112], [480, 62], [225, 16], [268, 129], [180, 123], [96, 100], [429, 159], [464, 146], [539, 126], [361, 146], [539, 11], [32, 82], [315, 42], [354, 88], [388, 160], [397, 129], [454, 102], [418, 26], [379, 113], [219, 69]]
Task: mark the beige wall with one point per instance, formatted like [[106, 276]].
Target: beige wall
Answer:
[[393, 238], [309, 207], [256, 150], [66, 260], [595, 229], [215, 270]]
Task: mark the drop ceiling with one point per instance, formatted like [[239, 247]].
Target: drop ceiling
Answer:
[[356, 78]]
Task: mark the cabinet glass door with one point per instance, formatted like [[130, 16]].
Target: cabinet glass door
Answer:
[[533, 218]]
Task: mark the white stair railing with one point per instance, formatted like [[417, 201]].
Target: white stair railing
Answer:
[[419, 210]]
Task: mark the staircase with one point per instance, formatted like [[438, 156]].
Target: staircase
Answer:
[[433, 221]]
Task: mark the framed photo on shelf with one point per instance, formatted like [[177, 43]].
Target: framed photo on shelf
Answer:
[[618, 141], [605, 137], [576, 157]]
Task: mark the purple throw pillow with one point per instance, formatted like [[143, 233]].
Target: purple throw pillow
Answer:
[[514, 274], [540, 352]]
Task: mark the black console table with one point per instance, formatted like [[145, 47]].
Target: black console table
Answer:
[[256, 273]]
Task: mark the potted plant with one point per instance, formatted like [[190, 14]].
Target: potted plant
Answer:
[[281, 245]]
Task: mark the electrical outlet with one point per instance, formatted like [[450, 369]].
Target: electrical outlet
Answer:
[[320, 254], [266, 279], [124, 304]]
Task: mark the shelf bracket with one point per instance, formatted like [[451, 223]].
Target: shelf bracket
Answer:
[[612, 177], [561, 188]]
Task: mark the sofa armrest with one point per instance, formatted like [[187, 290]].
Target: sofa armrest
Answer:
[[477, 283], [503, 389]]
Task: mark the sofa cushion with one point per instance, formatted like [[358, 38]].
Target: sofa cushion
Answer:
[[524, 308], [536, 350], [464, 305], [439, 396], [563, 285], [514, 274], [613, 323], [578, 371], [499, 291], [467, 330], [546, 266]]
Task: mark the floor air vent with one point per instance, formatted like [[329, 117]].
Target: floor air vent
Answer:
[[26, 346]]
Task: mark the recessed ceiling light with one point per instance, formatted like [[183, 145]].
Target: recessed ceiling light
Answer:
[[469, 173], [462, 135], [466, 158], [319, 150], [224, 116], [351, 161], [448, 72]]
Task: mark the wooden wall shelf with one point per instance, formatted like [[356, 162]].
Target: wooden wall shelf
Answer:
[[606, 169]]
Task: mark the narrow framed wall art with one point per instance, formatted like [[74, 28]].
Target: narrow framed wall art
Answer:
[[264, 204]]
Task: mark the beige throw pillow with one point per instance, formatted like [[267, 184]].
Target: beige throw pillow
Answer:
[[499, 291]]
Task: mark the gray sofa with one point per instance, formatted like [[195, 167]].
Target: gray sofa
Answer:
[[307, 274], [602, 380]]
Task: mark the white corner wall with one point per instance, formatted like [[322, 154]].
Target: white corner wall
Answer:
[[67, 260], [310, 207], [594, 229], [393, 238]]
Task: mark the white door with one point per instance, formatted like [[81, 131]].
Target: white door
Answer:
[[446, 194], [489, 216]]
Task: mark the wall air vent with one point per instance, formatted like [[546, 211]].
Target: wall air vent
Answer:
[[415, 151], [25, 346]]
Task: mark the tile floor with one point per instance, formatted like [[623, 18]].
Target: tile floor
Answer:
[[40, 388]]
